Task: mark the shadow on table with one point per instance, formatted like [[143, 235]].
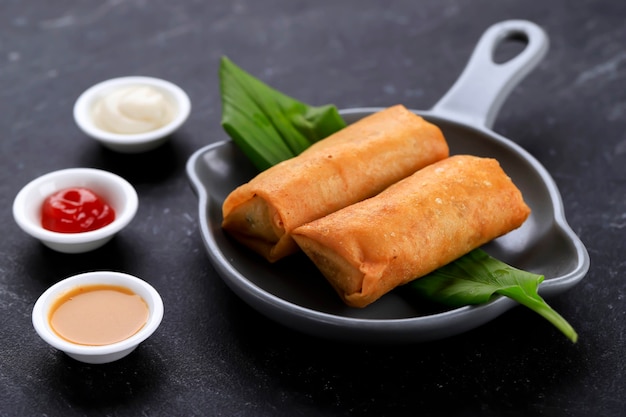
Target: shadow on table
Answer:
[[106, 387], [49, 266], [147, 167], [507, 367]]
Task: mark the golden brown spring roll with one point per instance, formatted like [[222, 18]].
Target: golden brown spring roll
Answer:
[[351, 165], [413, 227]]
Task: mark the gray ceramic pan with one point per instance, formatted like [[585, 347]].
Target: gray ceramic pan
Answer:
[[294, 293]]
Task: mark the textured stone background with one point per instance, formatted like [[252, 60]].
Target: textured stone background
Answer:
[[214, 355]]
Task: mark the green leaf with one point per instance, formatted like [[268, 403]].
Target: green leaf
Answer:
[[476, 277], [267, 125]]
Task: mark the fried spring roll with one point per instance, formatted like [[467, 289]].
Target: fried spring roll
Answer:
[[412, 228], [349, 166]]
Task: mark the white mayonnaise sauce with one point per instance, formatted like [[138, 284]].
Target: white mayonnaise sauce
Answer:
[[134, 109]]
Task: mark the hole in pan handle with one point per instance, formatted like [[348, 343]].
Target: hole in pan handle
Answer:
[[479, 92]]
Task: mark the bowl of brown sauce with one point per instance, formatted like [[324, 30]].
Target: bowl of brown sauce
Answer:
[[98, 317]]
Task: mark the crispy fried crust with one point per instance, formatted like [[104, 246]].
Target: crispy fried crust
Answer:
[[348, 166], [412, 228]]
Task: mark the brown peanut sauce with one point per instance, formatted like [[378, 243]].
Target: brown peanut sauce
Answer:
[[97, 315]]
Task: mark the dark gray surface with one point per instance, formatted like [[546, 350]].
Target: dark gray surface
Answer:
[[213, 355]]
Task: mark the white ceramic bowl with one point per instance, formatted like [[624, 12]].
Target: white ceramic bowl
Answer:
[[137, 142], [115, 190], [106, 353]]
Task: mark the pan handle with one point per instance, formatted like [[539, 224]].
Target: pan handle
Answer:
[[479, 92]]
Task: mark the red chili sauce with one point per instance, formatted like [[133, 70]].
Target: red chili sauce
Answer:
[[75, 210]]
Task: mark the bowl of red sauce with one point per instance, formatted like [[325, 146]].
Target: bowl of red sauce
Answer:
[[98, 317], [75, 210]]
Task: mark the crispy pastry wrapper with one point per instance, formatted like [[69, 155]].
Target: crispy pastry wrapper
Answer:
[[412, 228], [349, 166]]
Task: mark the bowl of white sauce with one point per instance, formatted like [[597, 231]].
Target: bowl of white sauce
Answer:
[[132, 114]]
